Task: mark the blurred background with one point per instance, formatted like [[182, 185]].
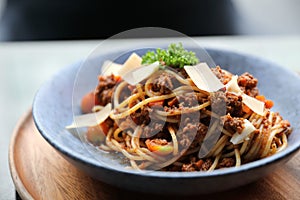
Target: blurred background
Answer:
[[28, 20]]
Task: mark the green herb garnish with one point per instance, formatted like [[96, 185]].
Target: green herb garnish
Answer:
[[174, 56]]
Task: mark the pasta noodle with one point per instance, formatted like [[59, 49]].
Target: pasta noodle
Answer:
[[164, 121]]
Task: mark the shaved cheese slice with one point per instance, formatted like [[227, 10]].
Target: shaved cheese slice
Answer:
[[137, 75], [91, 119], [203, 77], [134, 61], [110, 67], [254, 104], [238, 138], [233, 86]]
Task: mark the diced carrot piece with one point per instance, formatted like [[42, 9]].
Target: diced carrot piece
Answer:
[[260, 97], [269, 103], [156, 103], [242, 81], [173, 102], [199, 163], [246, 109], [105, 127], [88, 102], [117, 78]]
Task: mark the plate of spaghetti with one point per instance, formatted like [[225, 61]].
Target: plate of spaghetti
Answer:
[[169, 116]]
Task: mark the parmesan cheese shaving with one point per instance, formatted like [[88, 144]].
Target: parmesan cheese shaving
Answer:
[[134, 61], [254, 104], [203, 77], [233, 87], [91, 119], [238, 138], [137, 75], [110, 67]]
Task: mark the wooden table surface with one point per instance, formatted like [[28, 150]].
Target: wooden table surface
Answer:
[[39, 172]]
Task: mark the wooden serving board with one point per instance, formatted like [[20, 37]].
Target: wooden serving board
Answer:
[[40, 172]]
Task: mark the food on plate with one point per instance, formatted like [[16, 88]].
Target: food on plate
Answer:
[[167, 110]]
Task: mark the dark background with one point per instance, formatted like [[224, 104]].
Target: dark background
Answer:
[[25, 20]]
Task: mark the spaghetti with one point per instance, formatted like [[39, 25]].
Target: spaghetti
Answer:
[[165, 120]]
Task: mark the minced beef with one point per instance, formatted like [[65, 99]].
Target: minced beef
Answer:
[[233, 124], [246, 81], [234, 105], [188, 100], [187, 134], [222, 103], [218, 102], [126, 123], [192, 134], [226, 162], [193, 166], [154, 128], [200, 135], [221, 74], [207, 164], [141, 116], [105, 88], [182, 72], [165, 83], [248, 84]]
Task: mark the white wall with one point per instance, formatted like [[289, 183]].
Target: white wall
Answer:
[[268, 16]]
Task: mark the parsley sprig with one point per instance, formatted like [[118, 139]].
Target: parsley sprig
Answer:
[[174, 56]]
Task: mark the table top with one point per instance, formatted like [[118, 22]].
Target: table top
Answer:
[[24, 66]]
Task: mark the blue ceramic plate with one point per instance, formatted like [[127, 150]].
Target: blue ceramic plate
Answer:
[[56, 102]]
